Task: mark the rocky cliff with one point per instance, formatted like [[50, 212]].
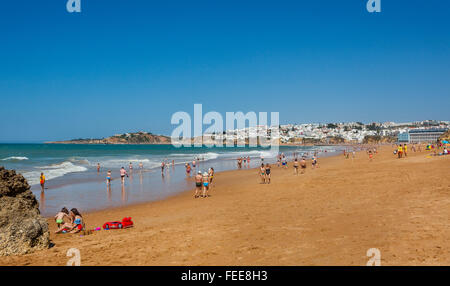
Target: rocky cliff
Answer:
[[22, 229], [127, 138]]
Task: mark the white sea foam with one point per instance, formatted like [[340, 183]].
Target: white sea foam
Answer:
[[52, 171], [14, 158], [117, 163]]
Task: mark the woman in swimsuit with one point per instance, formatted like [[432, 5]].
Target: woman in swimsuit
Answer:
[[211, 176], [268, 173], [262, 173], [205, 184]]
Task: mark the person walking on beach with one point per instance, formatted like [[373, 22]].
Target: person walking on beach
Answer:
[[42, 181], [267, 177], [198, 184], [205, 181], [98, 167], [141, 166], [262, 173], [303, 165], [211, 175], [131, 167], [399, 151], [123, 173], [296, 166], [284, 162], [405, 148], [314, 162], [239, 161]]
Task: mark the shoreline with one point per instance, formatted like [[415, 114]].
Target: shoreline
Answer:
[[176, 187], [328, 216]]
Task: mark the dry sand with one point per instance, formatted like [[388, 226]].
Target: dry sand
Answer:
[[328, 216]]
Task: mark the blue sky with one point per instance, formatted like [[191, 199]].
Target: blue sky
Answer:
[[129, 65]]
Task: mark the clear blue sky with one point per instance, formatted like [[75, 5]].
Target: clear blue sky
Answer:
[[128, 65]]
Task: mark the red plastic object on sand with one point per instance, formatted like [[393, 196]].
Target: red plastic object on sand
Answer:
[[125, 223]]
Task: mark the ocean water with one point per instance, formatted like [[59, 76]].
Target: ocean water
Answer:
[[73, 180]]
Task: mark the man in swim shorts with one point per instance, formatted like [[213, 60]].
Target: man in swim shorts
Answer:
[[295, 166], [198, 184], [303, 165], [123, 173]]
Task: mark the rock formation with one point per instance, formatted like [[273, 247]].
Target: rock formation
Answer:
[[22, 228]]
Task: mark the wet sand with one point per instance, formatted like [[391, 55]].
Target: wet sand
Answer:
[[329, 216]]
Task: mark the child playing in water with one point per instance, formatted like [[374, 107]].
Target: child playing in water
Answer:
[[59, 217]]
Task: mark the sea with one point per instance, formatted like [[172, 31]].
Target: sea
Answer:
[[73, 179]]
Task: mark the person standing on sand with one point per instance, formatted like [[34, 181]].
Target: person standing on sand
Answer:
[[98, 167], [267, 173], [303, 165], [296, 166], [405, 148], [198, 184], [400, 151], [262, 173], [211, 176], [205, 181], [314, 162], [141, 166], [42, 181], [123, 173], [131, 167]]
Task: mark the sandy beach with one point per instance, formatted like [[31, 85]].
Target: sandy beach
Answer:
[[329, 216]]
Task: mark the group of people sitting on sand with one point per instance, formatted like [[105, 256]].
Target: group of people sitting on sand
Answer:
[[69, 222]]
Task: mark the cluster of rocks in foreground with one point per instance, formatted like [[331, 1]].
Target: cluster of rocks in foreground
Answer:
[[22, 228]]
